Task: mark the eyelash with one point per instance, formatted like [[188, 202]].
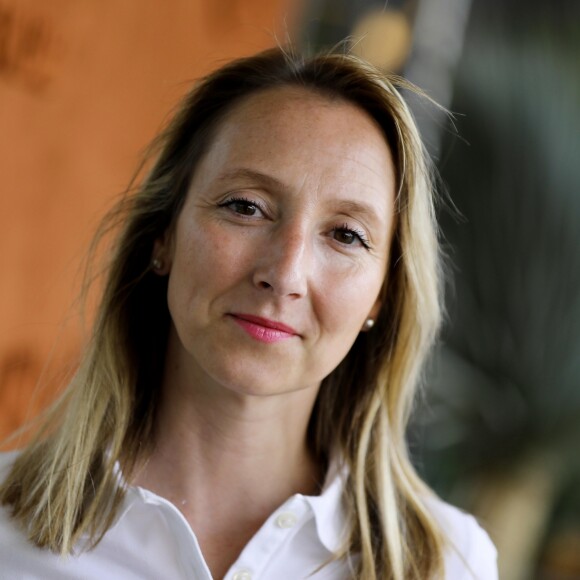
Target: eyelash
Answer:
[[247, 203], [343, 228], [359, 234]]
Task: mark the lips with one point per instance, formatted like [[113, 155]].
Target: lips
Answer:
[[263, 329]]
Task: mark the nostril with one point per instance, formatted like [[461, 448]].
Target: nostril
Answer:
[[265, 285]]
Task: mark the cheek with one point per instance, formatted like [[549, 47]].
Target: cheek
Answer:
[[206, 259], [341, 312], [347, 296]]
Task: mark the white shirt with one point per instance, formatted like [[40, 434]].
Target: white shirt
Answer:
[[151, 540]]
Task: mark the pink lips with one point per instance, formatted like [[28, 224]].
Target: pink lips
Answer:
[[263, 329]]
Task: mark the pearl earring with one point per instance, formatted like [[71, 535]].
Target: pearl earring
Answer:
[[369, 323], [157, 263]]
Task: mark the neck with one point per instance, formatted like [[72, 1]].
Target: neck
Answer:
[[213, 443], [200, 451], [227, 459]]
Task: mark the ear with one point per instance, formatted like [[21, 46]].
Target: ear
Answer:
[[376, 309], [161, 257]]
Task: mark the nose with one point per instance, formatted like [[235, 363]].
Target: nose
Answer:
[[283, 266]]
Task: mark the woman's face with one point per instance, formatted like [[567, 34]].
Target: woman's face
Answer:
[[280, 251]]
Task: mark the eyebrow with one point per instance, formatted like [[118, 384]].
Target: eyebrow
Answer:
[[252, 175], [349, 207]]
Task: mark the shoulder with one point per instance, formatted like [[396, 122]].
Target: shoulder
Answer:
[[20, 559], [12, 541], [470, 554]]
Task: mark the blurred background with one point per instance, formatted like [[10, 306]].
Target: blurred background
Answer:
[[84, 86]]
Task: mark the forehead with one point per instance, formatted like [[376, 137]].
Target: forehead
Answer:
[[304, 139], [291, 112]]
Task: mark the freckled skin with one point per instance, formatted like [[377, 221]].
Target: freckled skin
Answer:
[[281, 252]]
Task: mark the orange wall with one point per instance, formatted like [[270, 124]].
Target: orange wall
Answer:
[[83, 87]]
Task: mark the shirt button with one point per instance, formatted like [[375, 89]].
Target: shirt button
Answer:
[[242, 575], [286, 520]]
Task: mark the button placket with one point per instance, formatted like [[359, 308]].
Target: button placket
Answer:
[[278, 529]]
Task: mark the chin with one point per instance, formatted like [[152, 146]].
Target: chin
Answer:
[[263, 380]]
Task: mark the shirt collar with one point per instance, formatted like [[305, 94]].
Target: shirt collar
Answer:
[[329, 510]]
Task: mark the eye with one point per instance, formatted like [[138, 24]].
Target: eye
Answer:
[[242, 206], [350, 236]]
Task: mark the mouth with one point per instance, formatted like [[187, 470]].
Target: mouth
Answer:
[[263, 329]]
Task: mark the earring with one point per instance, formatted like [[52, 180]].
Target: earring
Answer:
[[157, 263], [369, 323]]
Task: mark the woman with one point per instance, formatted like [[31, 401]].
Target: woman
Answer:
[[240, 410]]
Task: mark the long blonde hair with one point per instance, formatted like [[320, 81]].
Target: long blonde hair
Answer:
[[63, 485]]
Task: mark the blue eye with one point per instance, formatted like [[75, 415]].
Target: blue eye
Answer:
[[242, 206], [349, 236]]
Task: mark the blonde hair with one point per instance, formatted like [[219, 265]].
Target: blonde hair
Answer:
[[64, 484]]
